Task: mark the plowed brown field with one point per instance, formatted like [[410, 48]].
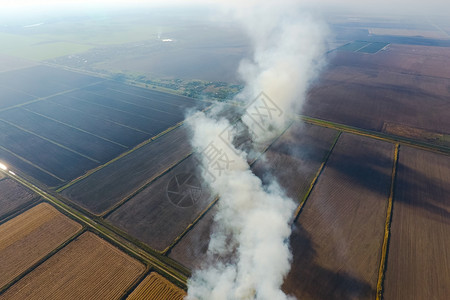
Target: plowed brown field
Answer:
[[418, 262], [13, 196], [338, 237]]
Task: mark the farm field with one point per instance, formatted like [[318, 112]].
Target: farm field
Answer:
[[366, 91], [142, 97], [295, 157], [293, 160], [109, 185], [87, 268], [338, 236], [418, 265], [9, 63], [33, 48], [100, 191], [111, 130], [79, 122], [62, 163], [90, 146], [10, 97], [109, 113], [191, 250], [162, 211], [16, 162], [154, 286], [27, 238], [432, 34], [43, 81], [13, 196]]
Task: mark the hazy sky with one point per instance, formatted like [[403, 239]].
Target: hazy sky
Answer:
[[419, 7], [436, 4]]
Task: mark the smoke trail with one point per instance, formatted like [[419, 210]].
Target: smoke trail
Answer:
[[248, 254]]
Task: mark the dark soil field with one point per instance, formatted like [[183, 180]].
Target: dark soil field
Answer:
[[110, 130], [13, 196], [42, 81], [15, 162], [155, 114], [191, 250], [293, 160], [74, 139], [295, 157], [61, 162], [84, 125], [146, 96], [134, 121], [87, 268], [30, 236], [10, 97], [101, 190], [338, 237], [418, 262], [403, 84], [150, 103], [162, 211]]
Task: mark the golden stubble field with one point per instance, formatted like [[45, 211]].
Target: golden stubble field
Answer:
[[30, 236], [87, 268], [154, 286]]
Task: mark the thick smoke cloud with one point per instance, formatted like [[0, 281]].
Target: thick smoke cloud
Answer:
[[248, 254]]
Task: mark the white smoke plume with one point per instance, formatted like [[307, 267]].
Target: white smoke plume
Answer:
[[248, 254]]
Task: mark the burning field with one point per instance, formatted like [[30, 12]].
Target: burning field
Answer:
[[326, 177]]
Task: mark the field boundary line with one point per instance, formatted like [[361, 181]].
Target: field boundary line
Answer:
[[387, 227], [37, 99], [216, 199], [95, 116], [74, 127], [119, 110], [51, 141], [368, 43], [127, 292], [147, 183], [172, 92], [393, 139], [32, 64], [21, 209], [128, 82], [190, 226], [42, 260], [146, 98], [134, 104], [157, 263], [30, 163], [316, 178], [138, 146]]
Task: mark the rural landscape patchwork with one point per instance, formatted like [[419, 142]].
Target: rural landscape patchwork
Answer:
[[106, 115]]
